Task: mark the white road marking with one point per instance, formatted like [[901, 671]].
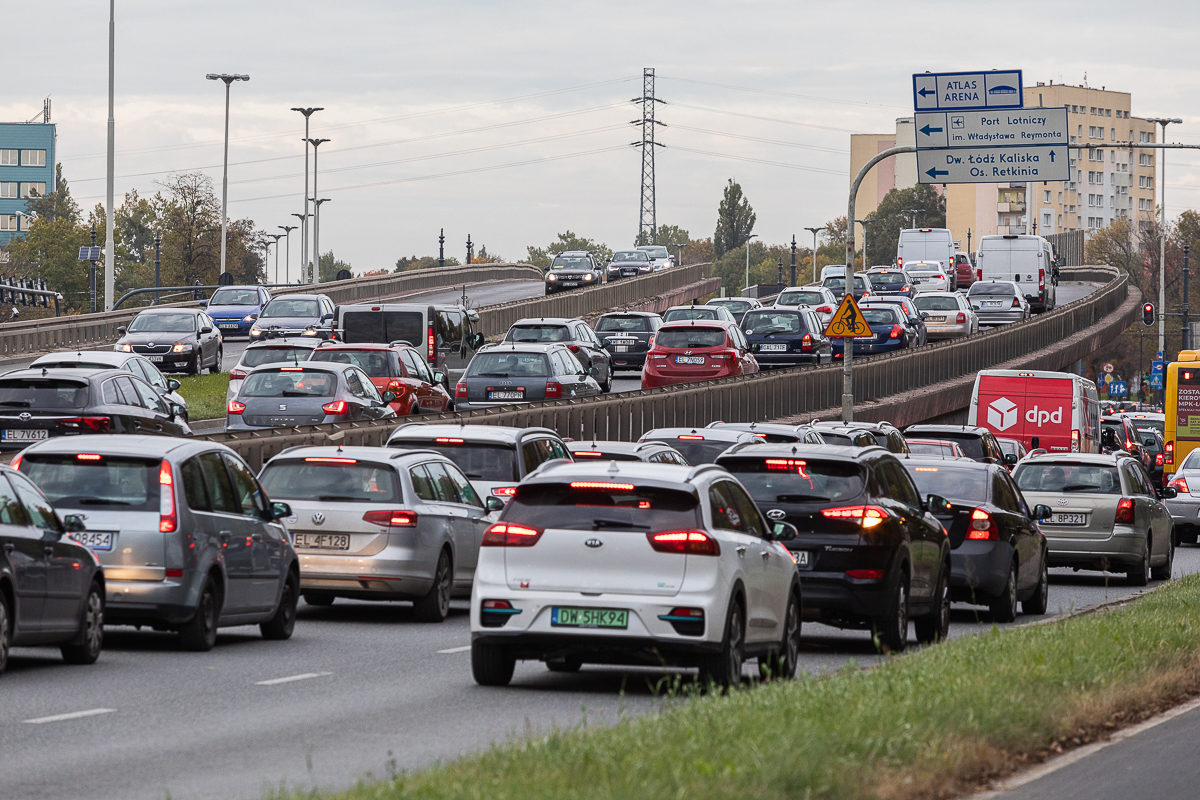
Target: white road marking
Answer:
[[462, 649], [303, 676], [73, 715]]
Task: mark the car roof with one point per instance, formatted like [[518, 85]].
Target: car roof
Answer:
[[298, 297], [752, 427], [947, 429], [522, 347], [158, 311], [860, 425], [327, 344], [939, 294], [573, 253], [928, 457], [692, 323], [57, 372], [544, 320], [713, 434], [662, 475], [1103, 459], [629, 314], [314, 366], [124, 445], [478, 433], [613, 446], [376, 454], [804, 450], [285, 341], [98, 356]]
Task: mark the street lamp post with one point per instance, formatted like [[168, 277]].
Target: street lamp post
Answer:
[[814, 232], [307, 112], [228, 79], [276, 237], [287, 260], [304, 229], [864, 222], [110, 250], [157, 265], [1162, 233], [316, 262], [793, 276], [680, 246], [746, 288], [913, 212]]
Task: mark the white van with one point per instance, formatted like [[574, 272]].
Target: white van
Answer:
[[926, 244], [1026, 260], [832, 271]]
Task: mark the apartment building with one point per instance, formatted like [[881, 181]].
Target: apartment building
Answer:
[[26, 170]]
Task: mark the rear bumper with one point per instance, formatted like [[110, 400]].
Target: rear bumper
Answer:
[[833, 598], [979, 567], [394, 573], [1184, 509], [999, 317], [779, 360], [947, 331], [169, 602], [1122, 548], [627, 360], [652, 379]]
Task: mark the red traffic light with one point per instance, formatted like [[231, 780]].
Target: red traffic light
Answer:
[[1148, 313]]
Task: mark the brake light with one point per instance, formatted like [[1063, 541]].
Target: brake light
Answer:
[[505, 534], [926, 230], [1158, 460], [336, 407], [824, 310], [166, 499], [1124, 511], [896, 333], [691, 438], [88, 457], [869, 516], [614, 487], [1075, 441], [553, 389], [650, 343], [234, 407], [291, 369], [1016, 302], [391, 519], [1179, 485], [690, 543], [1170, 453], [89, 424], [979, 274], [445, 440], [587, 454], [1041, 279], [787, 465], [983, 526], [330, 460], [865, 574], [237, 375], [504, 491], [431, 346], [900, 262], [961, 318], [460, 389], [806, 343], [574, 348]]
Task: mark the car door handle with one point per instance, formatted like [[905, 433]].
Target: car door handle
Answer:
[[48, 550], [741, 551]]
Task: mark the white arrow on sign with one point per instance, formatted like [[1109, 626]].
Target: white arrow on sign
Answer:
[[993, 164], [986, 128]]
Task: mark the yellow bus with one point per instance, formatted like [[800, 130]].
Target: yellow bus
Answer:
[[1182, 409]]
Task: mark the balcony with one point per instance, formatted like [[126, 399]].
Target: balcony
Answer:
[[1010, 208]]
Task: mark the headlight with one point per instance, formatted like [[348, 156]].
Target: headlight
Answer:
[[551, 277], [181, 348], [125, 348], [589, 277], [249, 318], [255, 332]]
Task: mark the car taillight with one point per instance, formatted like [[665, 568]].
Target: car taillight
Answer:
[[166, 499], [553, 389], [723, 354], [16, 462], [460, 389], [900, 262], [865, 574], [1016, 302], [1158, 459], [431, 344], [979, 274], [506, 534], [1178, 484], [237, 375], [983, 526], [824, 310], [868, 516], [806, 343], [392, 519], [896, 333], [650, 343], [1074, 441], [234, 407], [395, 386], [1041, 279], [961, 318], [691, 543], [1124, 511], [504, 491], [574, 348], [336, 407], [1170, 453], [89, 424]]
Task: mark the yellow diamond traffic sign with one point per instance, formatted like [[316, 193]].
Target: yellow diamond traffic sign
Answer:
[[848, 321]]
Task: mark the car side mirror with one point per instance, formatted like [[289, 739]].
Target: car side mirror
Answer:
[[1167, 493], [439, 377], [594, 372], [1041, 512], [1010, 458], [479, 340], [936, 504], [206, 329], [173, 385], [389, 397], [177, 411], [783, 531], [204, 304], [121, 329], [494, 504], [280, 510], [326, 317], [73, 523]]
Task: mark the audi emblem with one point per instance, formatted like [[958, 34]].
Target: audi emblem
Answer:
[[318, 518], [776, 513], [594, 543]]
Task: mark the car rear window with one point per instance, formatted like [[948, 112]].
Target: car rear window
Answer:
[[696, 451], [373, 362], [286, 383], [991, 289], [331, 481], [888, 279], [478, 460], [383, 327], [257, 356], [684, 314], [879, 316], [539, 334], [971, 444], [691, 337], [958, 484], [931, 448], [630, 324], [96, 480], [760, 323], [797, 480], [509, 365], [603, 505], [1068, 476], [734, 306], [800, 299], [42, 393], [936, 303]]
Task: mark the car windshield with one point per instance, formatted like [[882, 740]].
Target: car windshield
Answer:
[[1068, 476], [936, 303], [540, 334], [958, 484], [629, 324], [656, 252], [1008, 446], [800, 299], [880, 316], [509, 365], [257, 356], [234, 297], [1192, 461], [699, 450], [1147, 424], [373, 362], [735, 306], [42, 393], [621, 507], [100, 480], [478, 460], [690, 337], [280, 307], [571, 262], [684, 314], [888, 279], [630, 255], [303, 479], [163, 323], [287, 383], [991, 289], [773, 481], [761, 323]]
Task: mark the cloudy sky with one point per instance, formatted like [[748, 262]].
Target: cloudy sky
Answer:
[[509, 121]]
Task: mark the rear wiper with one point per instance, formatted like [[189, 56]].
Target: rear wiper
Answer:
[[334, 498], [293, 393], [801, 498], [492, 375], [16, 403], [102, 501], [613, 523], [1078, 487]]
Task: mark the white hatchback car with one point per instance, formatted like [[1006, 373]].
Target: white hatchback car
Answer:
[[632, 563]]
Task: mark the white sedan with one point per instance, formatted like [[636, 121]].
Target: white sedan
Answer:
[[947, 314], [929, 276]]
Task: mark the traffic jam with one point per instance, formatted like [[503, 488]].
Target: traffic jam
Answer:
[[701, 548]]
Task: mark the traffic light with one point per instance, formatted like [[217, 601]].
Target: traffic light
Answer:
[[1148, 313]]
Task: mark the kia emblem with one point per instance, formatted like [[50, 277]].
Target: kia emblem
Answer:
[[776, 513], [318, 518], [594, 543]]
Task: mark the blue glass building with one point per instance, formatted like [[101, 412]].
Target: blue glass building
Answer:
[[26, 169]]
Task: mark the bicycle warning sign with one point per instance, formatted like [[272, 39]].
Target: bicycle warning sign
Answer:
[[848, 321]]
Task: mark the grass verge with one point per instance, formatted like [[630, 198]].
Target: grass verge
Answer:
[[205, 394], [931, 724]]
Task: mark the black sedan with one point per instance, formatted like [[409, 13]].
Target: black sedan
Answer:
[[786, 337], [53, 585], [998, 553], [627, 335], [871, 554], [174, 340], [38, 404], [521, 373], [283, 395], [629, 264], [294, 315]]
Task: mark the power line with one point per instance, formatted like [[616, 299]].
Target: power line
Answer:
[[786, 94], [757, 139], [761, 161], [765, 119]]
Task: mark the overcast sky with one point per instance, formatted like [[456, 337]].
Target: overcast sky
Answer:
[[509, 121]]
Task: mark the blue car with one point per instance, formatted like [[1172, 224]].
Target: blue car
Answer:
[[786, 337], [892, 328], [235, 308]]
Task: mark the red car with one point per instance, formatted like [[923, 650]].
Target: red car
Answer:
[[697, 350], [399, 369], [964, 275]]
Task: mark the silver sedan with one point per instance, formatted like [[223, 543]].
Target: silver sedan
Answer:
[[1185, 506], [947, 314], [998, 302]]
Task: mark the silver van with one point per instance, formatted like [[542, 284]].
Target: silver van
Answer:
[[1027, 261], [926, 244], [188, 540]]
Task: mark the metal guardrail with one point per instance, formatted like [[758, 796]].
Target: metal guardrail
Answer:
[[766, 395], [1069, 246]]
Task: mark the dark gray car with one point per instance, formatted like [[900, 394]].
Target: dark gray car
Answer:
[[629, 264], [174, 340], [572, 270], [576, 335], [626, 336], [521, 373], [283, 395], [168, 388], [188, 539], [294, 315]]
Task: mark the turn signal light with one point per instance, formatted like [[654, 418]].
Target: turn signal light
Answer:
[[505, 534], [691, 543], [391, 519], [982, 525], [234, 407], [336, 407], [1124, 511], [869, 516]]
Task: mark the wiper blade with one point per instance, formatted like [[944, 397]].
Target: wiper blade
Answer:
[[334, 498], [1078, 487], [615, 523], [102, 501], [492, 375]]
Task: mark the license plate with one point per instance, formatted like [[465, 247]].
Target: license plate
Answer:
[[589, 617], [10, 435], [689, 359], [155, 359], [937, 319], [803, 558], [230, 325], [570, 283], [323, 541], [992, 304], [506, 395], [97, 540], [773, 348], [1069, 519]]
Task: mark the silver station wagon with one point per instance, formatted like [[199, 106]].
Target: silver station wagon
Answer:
[[374, 523]]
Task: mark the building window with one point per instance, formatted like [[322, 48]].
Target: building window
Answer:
[[1144, 160], [1060, 220], [8, 222], [33, 158], [1047, 220], [1093, 110], [32, 189], [8, 190], [1080, 131], [9, 158], [1108, 112], [1046, 196]]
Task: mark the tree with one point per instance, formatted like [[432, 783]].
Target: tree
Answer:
[[58, 204], [330, 267], [667, 235], [735, 220], [484, 257], [542, 256], [1116, 246], [414, 262], [883, 234]]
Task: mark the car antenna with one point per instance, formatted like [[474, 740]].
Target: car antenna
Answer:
[[44, 371], [613, 469]]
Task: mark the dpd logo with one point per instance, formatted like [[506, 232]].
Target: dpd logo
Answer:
[[1041, 417], [1002, 414]]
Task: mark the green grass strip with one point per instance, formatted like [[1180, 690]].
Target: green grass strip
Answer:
[[205, 394], [928, 724]]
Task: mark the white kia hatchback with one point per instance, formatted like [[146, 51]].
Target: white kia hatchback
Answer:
[[632, 563]]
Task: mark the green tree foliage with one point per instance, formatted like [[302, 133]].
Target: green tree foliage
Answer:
[[58, 204], [735, 220], [667, 235], [414, 262], [330, 266], [764, 266], [542, 256], [884, 233]]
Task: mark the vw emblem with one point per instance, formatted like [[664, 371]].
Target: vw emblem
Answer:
[[149, 344], [776, 513], [283, 406], [318, 518], [1062, 501], [25, 416], [594, 543]]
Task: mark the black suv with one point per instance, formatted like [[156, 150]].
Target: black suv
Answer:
[[786, 337], [978, 443], [572, 270], [627, 336], [885, 433], [870, 551]]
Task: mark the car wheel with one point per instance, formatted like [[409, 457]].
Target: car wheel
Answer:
[[1140, 575], [606, 387], [318, 599], [199, 634], [193, 368], [1163, 573], [935, 626], [5, 625], [92, 633], [1004, 607], [1039, 601], [491, 665], [891, 632], [568, 664], [783, 662], [724, 669], [435, 606], [216, 365], [281, 625]]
